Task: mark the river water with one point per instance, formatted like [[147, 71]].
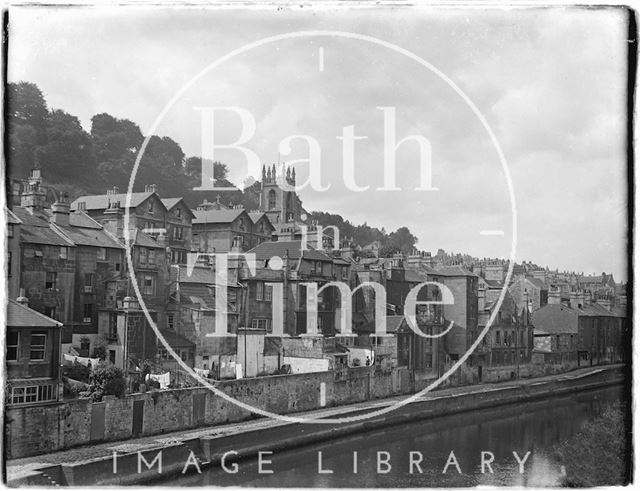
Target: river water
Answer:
[[529, 427]]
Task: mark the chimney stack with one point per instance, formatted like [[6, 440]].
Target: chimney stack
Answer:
[[33, 196], [554, 296], [60, 210], [22, 300]]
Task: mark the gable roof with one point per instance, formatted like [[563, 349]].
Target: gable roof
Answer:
[[89, 237], [22, 316], [293, 248], [37, 230], [101, 201], [139, 238], [255, 216], [170, 203], [216, 216]]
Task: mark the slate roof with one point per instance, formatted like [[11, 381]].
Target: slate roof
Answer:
[[139, 238], [197, 294], [494, 283], [255, 216], [415, 276], [170, 202], [537, 282], [268, 249], [101, 201], [11, 217], [454, 271], [37, 230], [23, 316], [558, 318], [175, 340], [216, 216]]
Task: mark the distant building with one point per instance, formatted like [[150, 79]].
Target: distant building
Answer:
[[529, 291], [219, 230]]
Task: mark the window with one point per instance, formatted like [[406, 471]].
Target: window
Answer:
[[267, 293], [170, 321], [151, 256], [102, 253], [148, 285], [497, 338], [143, 255], [38, 345], [259, 290], [10, 230], [64, 253], [117, 266], [50, 280], [272, 200], [261, 324], [9, 261], [150, 207], [178, 212], [34, 393], [241, 223], [88, 312], [17, 396], [13, 340], [88, 279], [177, 233], [163, 354]]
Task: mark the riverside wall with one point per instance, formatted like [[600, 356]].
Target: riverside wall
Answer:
[[33, 430], [209, 450]]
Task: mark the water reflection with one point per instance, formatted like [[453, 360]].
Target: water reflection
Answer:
[[531, 427]]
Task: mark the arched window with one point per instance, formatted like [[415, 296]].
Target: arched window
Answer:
[[272, 200]]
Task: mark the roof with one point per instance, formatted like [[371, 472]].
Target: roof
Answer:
[[415, 276], [101, 201], [90, 237], [454, 271], [198, 275], [556, 319], [139, 238], [255, 216], [36, 229], [174, 339], [197, 294], [22, 316], [537, 282], [293, 248], [170, 203], [494, 283], [216, 216], [394, 323], [11, 218]]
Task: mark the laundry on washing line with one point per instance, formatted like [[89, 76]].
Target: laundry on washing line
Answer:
[[163, 379]]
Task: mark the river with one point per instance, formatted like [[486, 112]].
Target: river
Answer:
[[529, 427]]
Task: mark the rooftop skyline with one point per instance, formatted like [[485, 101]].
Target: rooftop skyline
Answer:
[[551, 86]]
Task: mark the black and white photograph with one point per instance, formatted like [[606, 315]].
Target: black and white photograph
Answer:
[[318, 245]]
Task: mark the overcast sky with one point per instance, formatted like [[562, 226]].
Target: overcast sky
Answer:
[[550, 83]]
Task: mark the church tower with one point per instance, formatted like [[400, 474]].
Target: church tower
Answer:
[[281, 206]]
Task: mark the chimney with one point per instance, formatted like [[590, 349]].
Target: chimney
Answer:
[[113, 190], [481, 299], [153, 188], [554, 296], [33, 196], [60, 210], [113, 221], [236, 246], [22, 300]]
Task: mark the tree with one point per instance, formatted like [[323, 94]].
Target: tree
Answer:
[[27, 117], [116, 143], [106, 379], [403, 240], [68, 151]]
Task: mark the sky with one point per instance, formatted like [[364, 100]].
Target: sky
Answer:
[[550, 84]]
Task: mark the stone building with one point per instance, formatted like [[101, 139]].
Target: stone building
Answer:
[[218, 230], [33, 356]]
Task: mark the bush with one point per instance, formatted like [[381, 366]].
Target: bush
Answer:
[[77, 372], [107, 379], [596, 456]]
